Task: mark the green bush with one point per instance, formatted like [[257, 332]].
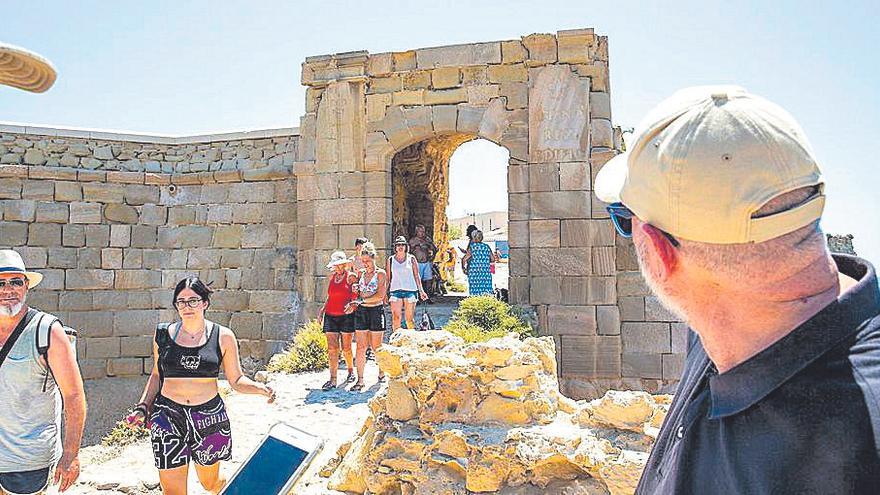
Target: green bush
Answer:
[[307, 352], [481, 318], [122, 435], [455, 286]]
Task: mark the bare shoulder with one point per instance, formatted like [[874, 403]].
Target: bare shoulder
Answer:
[[226, 335]]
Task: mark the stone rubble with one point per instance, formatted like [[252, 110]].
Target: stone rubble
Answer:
[[488, 417]]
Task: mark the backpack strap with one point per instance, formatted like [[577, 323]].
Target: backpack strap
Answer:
[[16, 333], [162, 341]]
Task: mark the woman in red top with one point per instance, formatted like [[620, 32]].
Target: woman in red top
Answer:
[[336, 321]]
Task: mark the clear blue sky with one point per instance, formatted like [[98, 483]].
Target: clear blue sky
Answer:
[[188, 67]]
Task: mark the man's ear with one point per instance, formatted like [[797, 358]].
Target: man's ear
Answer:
[[663, 251]]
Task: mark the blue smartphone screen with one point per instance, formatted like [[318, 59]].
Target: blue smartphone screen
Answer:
[[268, 469]]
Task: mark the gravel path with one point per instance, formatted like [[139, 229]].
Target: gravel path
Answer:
[[335, 416]]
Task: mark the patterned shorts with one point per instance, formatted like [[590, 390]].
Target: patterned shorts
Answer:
[[180, 433]]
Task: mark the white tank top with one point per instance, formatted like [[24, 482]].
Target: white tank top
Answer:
[[402, 277]]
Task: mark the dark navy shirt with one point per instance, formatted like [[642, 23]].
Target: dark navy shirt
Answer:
[[800, 417]]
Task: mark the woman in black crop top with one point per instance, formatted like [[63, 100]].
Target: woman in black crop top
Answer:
[[188, 418]]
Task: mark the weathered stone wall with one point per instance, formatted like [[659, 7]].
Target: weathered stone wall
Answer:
[[114, 221]]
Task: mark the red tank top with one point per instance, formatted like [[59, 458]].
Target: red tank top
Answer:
[[338, 295]]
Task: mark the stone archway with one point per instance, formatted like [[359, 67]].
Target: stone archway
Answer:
[[545, 98]]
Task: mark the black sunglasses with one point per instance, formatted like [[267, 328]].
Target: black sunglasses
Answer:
[[13, 282], [621, 217]]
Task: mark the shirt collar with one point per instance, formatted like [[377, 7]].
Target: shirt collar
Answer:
[[750, 381]]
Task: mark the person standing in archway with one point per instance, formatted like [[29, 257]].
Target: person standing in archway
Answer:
[[405, 287], [478, 260], [422, 247]]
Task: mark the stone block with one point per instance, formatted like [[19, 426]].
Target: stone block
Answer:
[[558, 134], [543, 177], [445, 118], [404, 61], [512, 52], [627, 259], [219, 214], [227, 236], [445, 77], [420, 79], [52, 213], [559, 204], [203, 259], [508, 73], [91, 323], [44, 234], [600, 105], [88, 257], [588, 290], [574, 45], [483, 94], [153, 215], [120, 236], [274, 301], [543, 233], [33, 257], [673, 366], [572, 320], [247, 213], [146, 236], [101, 192], [540, 49], [545, 290], [376, 105], [518, 262], [560, 262], [68, 191], [387, 84], [446, 96], [598, 74], [62, 257], [642, 365], [76, 301], [138, 279], [517, 95], [10, 188], [119, 213], [608, 318], [589, 356], [103, 347], [603, 260], [83, 212], [229, 300], [519, 206], [135, 322], [19, 210], [38, 190], [141, 346], [646, 337], [133, 259], [13, 233], [72, 235], [459, 55], [246, 325], [518, 178], [474, 75], [680, 332], [281, 327], [574, 176], [187, 236], [380, 64], [257, 236], [602, 134], [632, 308], [587, 233]]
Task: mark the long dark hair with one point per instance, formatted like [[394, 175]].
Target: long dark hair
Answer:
[[196, 285]]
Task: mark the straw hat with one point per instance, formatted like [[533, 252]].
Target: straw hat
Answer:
[[337, 258], [11, 262], [25, 70]]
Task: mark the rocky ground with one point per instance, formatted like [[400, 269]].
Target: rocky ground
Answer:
[[336, 416]]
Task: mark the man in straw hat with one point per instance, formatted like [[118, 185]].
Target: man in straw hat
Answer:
[[780, 391], [38, 373]]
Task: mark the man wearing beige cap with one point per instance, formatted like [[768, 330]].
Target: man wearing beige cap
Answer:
[[781, 387], [38, 374]]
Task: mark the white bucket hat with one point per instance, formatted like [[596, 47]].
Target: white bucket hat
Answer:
[[25, 70], [337, 258], [11, 262]]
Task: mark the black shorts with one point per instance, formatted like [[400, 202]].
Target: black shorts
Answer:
[[370, 318], [25, 482], [181, 433], [341, 324]]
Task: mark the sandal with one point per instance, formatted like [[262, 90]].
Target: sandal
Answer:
[[381, 378], [328, 385], [357, 387], [350, 378]]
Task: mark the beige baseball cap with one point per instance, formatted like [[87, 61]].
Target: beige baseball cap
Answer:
[[706, 159]]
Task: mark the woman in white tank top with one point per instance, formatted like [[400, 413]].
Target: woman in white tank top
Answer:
[[405, 288]]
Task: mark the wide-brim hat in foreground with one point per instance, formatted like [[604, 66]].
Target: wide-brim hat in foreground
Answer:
[[337, 258], [25, 70], [11, 262]]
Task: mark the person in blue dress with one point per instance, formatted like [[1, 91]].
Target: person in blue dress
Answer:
[[478, 260]]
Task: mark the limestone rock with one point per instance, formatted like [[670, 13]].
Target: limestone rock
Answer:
[[462, 418]]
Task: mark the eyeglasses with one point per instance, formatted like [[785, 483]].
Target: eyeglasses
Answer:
[[621, 217], [192, 303], [13, 282]]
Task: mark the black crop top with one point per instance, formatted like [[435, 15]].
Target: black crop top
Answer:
[[177, 361]]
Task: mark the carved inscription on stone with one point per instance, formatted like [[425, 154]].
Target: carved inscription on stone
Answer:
[[340, 128], [559, 104]]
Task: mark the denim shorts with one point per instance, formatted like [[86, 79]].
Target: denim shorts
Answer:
[[404, 295], [25, 482]]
